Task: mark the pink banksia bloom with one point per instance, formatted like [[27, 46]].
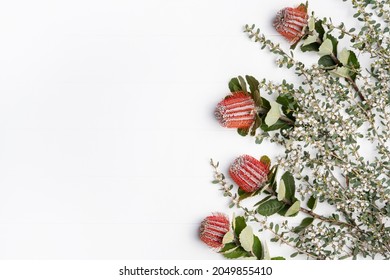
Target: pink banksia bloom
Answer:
[[236, 111], [213, 228], [249, 173], [290, 23]]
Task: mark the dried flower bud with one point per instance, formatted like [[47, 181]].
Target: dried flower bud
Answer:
[[236, 111], [249, 173], [213, 228], [290, 23]]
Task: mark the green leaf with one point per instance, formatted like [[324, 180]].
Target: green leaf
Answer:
[[326, 61], [236, 253], [234, 85], [278, 125], [246, 238], [256, 125], [242, 83], [294, 255], [281, 191], [353, 61], [326, 48], [253, 83], [320, 29], [293, 209], [243, 131], [263, 200], [313, 47], [270, 207], [227, 247], [311, 24], [344, 56], [289, 184], [257, 98], [257, 248], [273, 114], [304, 224], [278, 258], [310, 40], [312, 202], [335, 42], [228, 237], [340, 72], [239, 224]]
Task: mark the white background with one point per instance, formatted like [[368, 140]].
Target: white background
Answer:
[[106, 121]]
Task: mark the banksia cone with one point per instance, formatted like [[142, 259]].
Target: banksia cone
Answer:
[[213, 228], [236, 111], [249, 173], [290, 23]]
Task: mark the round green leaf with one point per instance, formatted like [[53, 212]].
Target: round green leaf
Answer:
[[228, 237], [326, 48], [294, 208], [309, 40], [344, 56], [246, 239]]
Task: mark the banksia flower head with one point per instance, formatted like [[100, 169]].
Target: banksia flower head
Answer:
[[213, 228], [236, 111], [249, 173], [290, 22]]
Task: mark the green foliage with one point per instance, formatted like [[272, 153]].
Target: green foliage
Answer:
[[304, 224], [270, 207]]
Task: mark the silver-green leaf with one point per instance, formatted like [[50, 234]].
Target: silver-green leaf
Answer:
[[326, 48], [246, 239], [273, 114]]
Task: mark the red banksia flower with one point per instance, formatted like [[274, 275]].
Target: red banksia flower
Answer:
[[236, 111], [249, 173], [290, 22], [213, 228]]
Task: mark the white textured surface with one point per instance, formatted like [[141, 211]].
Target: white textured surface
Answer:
[[106, 121]]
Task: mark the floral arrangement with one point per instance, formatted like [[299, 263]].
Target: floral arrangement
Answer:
[[320, 126]]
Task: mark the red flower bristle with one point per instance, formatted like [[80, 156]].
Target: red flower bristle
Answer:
[[290, 23], [236, 111], [213, 228], [249, 173]]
